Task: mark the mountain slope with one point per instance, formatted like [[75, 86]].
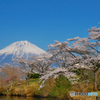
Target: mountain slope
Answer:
[[19, 49]]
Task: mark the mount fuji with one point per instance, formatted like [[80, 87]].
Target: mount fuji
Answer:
[[19, 49]]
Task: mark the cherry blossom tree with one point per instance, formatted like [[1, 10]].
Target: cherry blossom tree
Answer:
[[92, 57], [59, 54], [38, 64], [41, 63], [9, 76], [24, 66], [77, 51], [87, 49], [94, 37]]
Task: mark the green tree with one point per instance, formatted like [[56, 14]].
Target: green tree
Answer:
[[61, 88]]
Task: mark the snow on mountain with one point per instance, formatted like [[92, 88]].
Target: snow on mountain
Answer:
[[19, 49]]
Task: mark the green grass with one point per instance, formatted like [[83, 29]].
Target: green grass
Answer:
[[36, 80]]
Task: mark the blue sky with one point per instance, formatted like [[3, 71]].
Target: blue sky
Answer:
[[43, 21]]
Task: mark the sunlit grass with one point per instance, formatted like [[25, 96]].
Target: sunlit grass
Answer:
[[26, 90]]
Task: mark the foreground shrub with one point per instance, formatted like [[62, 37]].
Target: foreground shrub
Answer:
[[61, 88], [44, 92], [34, 75]]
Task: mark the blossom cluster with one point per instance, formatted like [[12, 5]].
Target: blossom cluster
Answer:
[[55, 73], [11, 78]]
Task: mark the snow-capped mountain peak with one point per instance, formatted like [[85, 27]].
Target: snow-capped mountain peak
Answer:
[[20, 48]]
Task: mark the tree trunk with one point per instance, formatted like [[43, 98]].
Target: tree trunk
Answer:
[[27, 80], [95, 81]]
